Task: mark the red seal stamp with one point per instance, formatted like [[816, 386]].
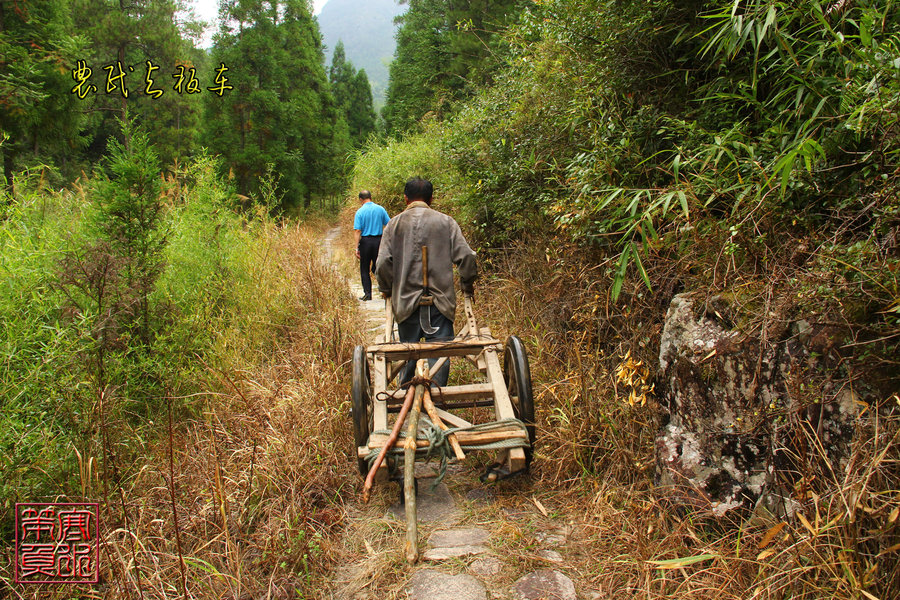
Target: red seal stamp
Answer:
[[57, 542]]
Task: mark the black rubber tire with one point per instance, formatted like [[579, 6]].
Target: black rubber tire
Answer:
[[517, 377], [361, 404]]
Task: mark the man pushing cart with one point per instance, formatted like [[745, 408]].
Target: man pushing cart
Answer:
[[415, 274], [415, 270]]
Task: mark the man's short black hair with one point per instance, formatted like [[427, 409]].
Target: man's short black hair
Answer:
[[419, 189], [365, 195]]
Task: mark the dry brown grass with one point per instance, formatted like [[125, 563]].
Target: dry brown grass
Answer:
[[594, 461], [265, 491], [260, 477]]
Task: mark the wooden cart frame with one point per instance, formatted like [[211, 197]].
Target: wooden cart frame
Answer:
[[507, 388]]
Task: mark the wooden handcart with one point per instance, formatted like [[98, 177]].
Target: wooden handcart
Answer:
[[378, 402]]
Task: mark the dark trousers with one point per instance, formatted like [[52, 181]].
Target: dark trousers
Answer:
[[368, 253], [410, 330]]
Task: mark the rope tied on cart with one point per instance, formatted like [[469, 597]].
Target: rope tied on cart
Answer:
[[439, 444]]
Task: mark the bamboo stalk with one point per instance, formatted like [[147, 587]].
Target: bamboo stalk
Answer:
[[409, 468], [388, 320], [452, 393], [470, 315], [467, 438], [174, 508], [391, 440], [469, 346], [394, 370], [425, 268], [439, 363]]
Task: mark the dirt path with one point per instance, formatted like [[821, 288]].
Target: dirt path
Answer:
[[481, 541], [372, 311]]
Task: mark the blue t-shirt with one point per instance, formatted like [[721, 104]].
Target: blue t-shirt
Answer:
[[370, 219]]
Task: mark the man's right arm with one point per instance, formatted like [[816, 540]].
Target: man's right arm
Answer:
[[357, 230]]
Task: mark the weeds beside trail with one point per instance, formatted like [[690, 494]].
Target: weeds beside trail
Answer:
[[238, 488], [240, 484], [594, 462], [261, 478]]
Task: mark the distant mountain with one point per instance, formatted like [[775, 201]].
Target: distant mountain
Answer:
[[367, 29]]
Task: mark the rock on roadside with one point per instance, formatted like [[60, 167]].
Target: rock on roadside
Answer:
[[544, 584], [732, 407]]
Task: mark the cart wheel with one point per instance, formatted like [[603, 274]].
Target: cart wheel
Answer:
[[517, 377], [360, 397]]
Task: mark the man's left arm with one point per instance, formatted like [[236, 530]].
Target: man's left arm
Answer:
[[464, 258]]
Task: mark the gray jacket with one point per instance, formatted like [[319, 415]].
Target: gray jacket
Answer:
[[399, 265]]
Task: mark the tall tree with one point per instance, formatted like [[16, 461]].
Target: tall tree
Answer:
[[129, 217], [340, 74], [360, 110], [353, 95], [37, 53], [280, 111], [445, 49]]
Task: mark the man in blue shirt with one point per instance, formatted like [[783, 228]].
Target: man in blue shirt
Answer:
[[368, 224]]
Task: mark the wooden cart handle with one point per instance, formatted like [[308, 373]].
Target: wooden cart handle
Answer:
[[425, 268], [470, 317], [409, 466]]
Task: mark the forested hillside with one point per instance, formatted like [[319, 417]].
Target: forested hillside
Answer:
[[366, 29], [353, 95], [675, 144], [261, 98], [445, 51]]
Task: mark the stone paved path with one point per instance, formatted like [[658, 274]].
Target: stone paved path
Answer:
[[438, 576]]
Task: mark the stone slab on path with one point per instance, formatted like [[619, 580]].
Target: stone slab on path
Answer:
[[463, 536], [429, 584], [486, 567], [425, 471], [453, 552], [550, 555], [551, 539], [436, 506], [453, 543], [544, 584]]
